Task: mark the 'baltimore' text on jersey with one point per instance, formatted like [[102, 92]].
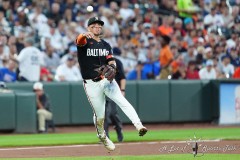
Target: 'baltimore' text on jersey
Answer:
[[97, 52], [92, 55]]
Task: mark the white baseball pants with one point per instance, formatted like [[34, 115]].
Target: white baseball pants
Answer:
[[96, 92]]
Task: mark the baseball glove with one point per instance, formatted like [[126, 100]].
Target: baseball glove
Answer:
[[108, 71]]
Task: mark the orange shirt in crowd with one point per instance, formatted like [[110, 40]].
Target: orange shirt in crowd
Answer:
[[165, 30], [175, 66], [154, 31], [135, 42], [165, 55]]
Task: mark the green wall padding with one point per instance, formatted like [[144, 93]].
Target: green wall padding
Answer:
[[81, 111], [7, 114], [59, 94], [153, 101], [185, 100], [26, 112]]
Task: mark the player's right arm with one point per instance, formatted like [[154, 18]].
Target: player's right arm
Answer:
[[81, 39]]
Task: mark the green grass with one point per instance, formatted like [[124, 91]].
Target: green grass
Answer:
[[149, 157], [129, 136]]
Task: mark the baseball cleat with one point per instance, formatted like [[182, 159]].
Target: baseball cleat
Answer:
[[142, 131], [107, 142]]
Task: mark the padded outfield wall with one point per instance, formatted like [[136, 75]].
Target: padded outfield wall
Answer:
[[155, 102]]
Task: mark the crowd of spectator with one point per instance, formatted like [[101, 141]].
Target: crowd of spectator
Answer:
[[154, 39]]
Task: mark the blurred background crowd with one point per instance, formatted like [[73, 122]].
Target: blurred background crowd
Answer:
[[154, 39]]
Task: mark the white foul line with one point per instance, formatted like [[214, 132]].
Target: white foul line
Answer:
[[47, 147]]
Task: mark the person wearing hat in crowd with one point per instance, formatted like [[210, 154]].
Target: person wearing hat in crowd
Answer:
[[178, 27], [208, 72], [226, 68], [111, 112], [30, 60], [145, 32], [43, 107], [72, 51], [98, 68], [68, 71], [165, 57], [188, 24]]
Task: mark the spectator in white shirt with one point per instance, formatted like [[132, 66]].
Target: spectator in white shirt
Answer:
[[56, 40], [125, 12], [30, 60], [39, 21], [208, 72], [110, 22], [3, 22], [68, 71], [213, 19], [226, 67]]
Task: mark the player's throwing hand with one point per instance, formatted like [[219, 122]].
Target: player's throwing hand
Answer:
[[88, 35]]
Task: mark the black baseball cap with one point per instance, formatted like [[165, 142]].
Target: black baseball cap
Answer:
[[95, 20]]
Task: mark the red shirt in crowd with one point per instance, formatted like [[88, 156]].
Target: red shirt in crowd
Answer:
[[192, 74], [237, 73]]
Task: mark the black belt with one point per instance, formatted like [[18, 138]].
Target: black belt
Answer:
[[94, 79]]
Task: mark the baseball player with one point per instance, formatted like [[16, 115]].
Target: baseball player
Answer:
[[98, 69]]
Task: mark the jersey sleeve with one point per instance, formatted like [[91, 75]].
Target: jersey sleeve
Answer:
[[81, 40]]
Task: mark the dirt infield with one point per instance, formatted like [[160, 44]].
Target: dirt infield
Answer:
[[139, 148], [143, 148]]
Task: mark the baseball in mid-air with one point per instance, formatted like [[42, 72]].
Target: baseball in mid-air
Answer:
[[89, 8]]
